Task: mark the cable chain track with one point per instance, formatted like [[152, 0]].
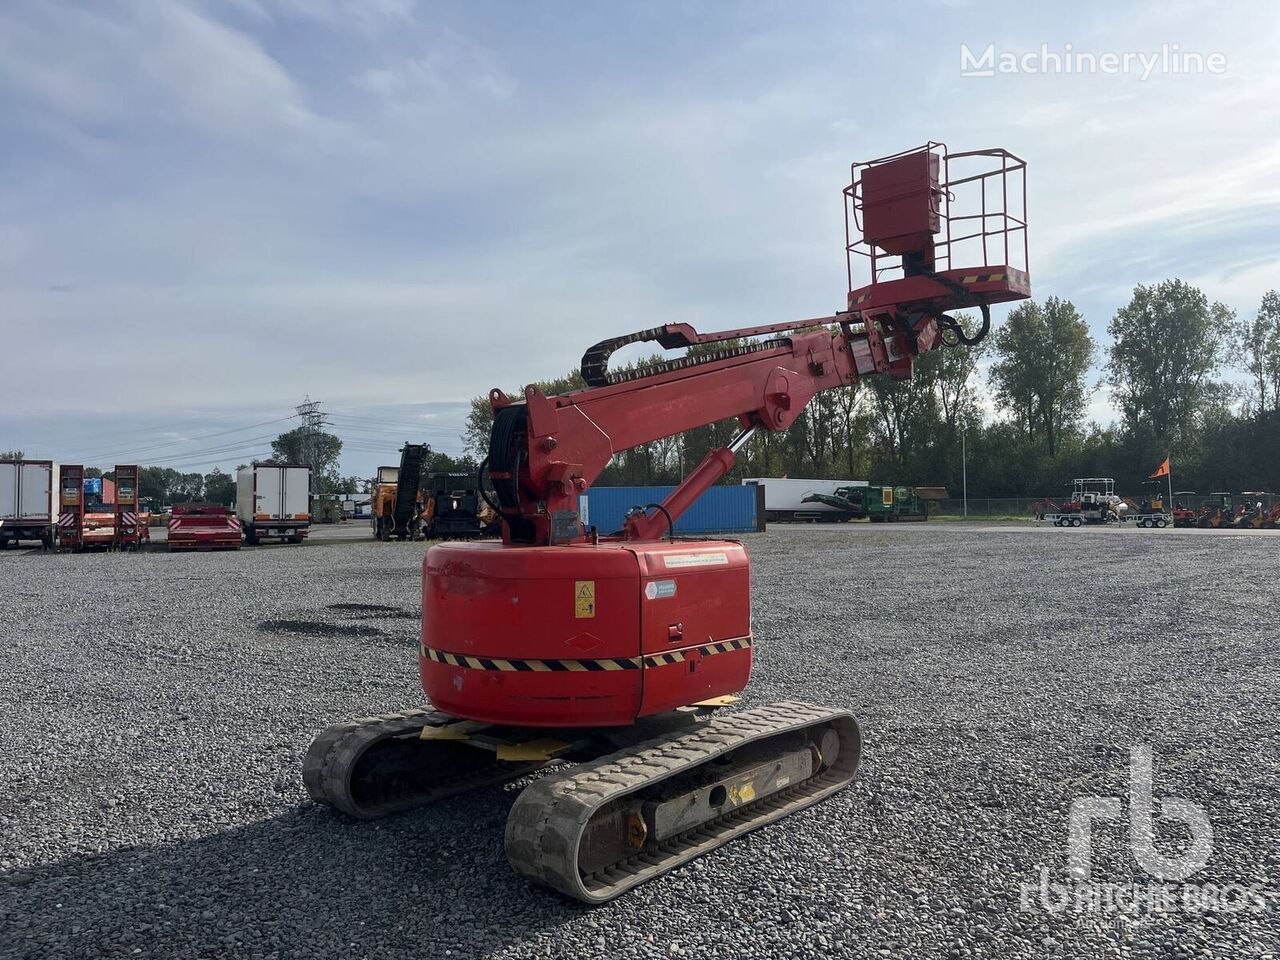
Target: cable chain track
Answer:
[[595, 362], [334, 753], [549, 818]]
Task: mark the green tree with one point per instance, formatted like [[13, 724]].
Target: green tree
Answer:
[[907, 415], [219, 487], [317, 448], [1166, 347], [1043, 353], [11, 455], [1257, 343], [187, 488], [479, 422], [153, 483]]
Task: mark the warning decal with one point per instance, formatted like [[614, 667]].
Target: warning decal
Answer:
[[584, 599], [694, 559]]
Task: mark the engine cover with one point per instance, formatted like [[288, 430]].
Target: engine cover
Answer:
[[583, 635]]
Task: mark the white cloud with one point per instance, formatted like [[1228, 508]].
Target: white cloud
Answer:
[[357, 183], [448, 65], [149, 65]]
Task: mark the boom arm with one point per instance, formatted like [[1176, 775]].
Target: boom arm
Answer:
[[545, 451]]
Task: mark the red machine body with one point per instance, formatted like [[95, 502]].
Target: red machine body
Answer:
[[587, 634], [561, 626]]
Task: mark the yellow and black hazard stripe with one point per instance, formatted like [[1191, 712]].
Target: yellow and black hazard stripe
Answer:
[[706, 650], [1014, 276], [511, 665]]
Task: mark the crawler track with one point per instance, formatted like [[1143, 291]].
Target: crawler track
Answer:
[[556, 821], [372, 767], [614, 821]]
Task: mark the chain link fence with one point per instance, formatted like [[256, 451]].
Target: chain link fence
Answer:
[[990, 507]]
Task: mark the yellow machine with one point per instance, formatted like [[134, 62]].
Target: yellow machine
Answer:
[[396, 500], [1253, 513], [1216, 511]]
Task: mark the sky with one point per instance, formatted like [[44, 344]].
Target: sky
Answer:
[[212, 210]]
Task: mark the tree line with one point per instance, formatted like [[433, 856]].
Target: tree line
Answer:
[[1012, 411]]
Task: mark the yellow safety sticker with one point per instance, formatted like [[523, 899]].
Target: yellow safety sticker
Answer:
[[584, 599]]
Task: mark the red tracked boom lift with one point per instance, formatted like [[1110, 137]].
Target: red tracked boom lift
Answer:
[[563, 644]]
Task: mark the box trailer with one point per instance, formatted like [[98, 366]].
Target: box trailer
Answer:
[[27, 501], [273, 501], [203, 526], [784, 498]]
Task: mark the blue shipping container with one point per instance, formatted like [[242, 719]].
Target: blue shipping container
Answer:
[[726, 509]]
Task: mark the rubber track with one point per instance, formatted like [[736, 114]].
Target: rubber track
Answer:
[[336, 750], [548, 819]]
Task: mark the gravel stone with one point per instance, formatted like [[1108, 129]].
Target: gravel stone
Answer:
[[159, 707]]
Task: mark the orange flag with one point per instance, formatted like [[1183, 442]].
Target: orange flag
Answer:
[[1161, 471]]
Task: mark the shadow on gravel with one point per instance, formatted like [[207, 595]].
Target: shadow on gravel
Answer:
[[318, 628], [308, 883], [373, 610]]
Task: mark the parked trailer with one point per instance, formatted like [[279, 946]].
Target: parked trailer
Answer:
[[132, 526], [71, 507], [1093, 501], [273, 501], [27, 501], [203, 526], [784, 498]]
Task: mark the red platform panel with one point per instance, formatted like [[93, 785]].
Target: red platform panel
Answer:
[[900, 202]]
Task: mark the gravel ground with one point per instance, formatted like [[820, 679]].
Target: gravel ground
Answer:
[[159, 708]]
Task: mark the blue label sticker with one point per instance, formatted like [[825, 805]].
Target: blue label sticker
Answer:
[[658, 589]]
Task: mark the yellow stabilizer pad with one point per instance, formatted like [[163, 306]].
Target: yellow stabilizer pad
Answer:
[[453, 731], [717, 701], [531, 750]]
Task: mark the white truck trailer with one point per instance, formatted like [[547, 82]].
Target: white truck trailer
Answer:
[[784, 498], [27, 504], [273, 501]]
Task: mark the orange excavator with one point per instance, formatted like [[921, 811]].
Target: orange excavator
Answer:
[[1216, 511], [1254, 512]]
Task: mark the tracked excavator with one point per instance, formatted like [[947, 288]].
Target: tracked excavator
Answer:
[[601, 653]]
